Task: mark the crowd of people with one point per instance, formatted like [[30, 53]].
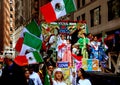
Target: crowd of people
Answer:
[[87, 47], [34, 74], [59, 48], [56, 48]]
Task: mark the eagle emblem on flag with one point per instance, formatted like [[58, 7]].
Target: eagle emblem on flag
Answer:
[[59, 7]]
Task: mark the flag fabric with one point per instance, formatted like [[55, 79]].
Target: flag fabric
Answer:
[[87, 30], [21, 60], [19, 43], [56, 9], [34, 57], [30, 58], [78, 58], [32, 28], [47, 79], [30, 43]]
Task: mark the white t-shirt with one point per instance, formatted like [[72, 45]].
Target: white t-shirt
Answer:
[[0, 72], [84, 82], [35, 77], [58, 83], [53, 41]]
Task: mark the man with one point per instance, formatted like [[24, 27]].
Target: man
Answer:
[[0, 69], [34, 76], [12, 74]]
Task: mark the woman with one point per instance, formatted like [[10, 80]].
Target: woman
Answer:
[[29, 81], [67, 53], [83, 41], [58, 77], [83, 80], [61, 47]]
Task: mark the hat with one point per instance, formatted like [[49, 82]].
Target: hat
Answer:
[[57, 70]]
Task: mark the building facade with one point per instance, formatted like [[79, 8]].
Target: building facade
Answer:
[[22, 12], [1, 26], [100, 15], [25, 11], [13, 13]]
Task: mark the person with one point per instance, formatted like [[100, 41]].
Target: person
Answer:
[[73, 78], [83, 77], [12, 74], [75, 48], [67, 53], [76, 51], [28, 79], [40, 71], [83, 41], [58, 77], [52, 41], [95, 48], [1, 66], [45, 44], [34, 76], [61, 47], [50, 70]]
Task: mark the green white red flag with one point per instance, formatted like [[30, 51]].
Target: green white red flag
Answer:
[[30, 43], [30, 58], [56, 9], [32, 28]]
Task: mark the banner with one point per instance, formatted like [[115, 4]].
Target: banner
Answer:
[[88, 64], [67, 74], [62, 64], [63, 27]]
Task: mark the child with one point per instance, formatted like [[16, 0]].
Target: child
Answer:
[[67, 53], [58, 77]]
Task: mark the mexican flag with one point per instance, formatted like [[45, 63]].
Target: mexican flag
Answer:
[[30, 58], [56, 9], [47, 79], [30, 43], [32, 28]]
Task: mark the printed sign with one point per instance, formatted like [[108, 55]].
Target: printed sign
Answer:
[[62, 64], [79, 65], [84, 64], [95, 65], [88, 64]]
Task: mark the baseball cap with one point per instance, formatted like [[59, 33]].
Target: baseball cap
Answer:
[[57, 70]]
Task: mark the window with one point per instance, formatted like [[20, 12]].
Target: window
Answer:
[[11, 16], [78, 18], [78, 4], [11, 1], [83, 16], [113, 9], [83, 2], [11, 8], [95, 16], [11, 29]]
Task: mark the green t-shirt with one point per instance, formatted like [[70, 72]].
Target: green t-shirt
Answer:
[[83, 42]]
